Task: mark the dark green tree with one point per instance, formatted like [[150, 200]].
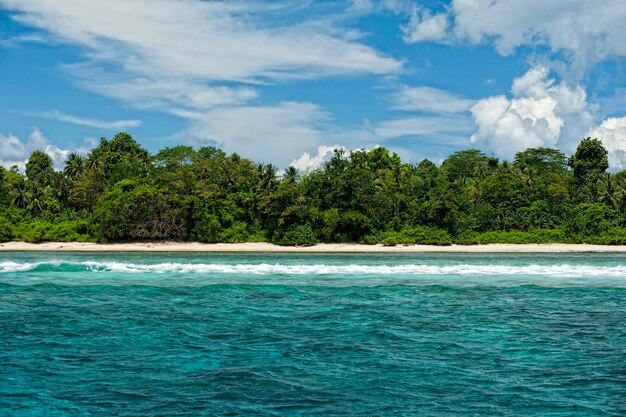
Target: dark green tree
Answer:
[[39, 168], [467, 164], [74, 166], [589, 162], [542, 161]]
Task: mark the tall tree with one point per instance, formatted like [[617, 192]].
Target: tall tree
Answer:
[[74, 166], [39, 168], [542, 161], [589, 162]]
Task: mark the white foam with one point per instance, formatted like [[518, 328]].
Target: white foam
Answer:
[[565, 270], [16, 267]]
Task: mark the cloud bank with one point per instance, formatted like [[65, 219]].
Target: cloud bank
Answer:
[[543, 113], [204, 61], [14, 151]]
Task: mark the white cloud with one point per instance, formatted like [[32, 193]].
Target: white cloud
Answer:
[[585, 31], [14, 151], [95, 123], [394, 6], [420, 126], [160, 94], [307, 162], [199, 40], [264, 133], [423, 26], [204, 61], [612, 133], [430, 99], [540, 113]]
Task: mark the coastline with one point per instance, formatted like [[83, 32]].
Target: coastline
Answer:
[[320, 248]]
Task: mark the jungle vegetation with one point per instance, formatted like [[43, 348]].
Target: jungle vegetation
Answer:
[[120, 192]]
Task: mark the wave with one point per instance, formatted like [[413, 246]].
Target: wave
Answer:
[[564, 270]]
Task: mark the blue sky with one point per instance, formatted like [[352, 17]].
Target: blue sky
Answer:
[[288, 81]]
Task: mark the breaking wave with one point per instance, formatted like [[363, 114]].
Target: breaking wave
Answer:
[[564, 270]]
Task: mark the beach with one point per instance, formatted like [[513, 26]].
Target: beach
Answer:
[[320, 248]]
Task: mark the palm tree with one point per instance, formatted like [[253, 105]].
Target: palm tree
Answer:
[[21, 195], [527, 173], [74, 166], [291, 175], [267, 176], [619, 195], [605, 190], [35, 198], [481, 170]]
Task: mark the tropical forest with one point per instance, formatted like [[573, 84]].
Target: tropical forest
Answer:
[[121, 192]]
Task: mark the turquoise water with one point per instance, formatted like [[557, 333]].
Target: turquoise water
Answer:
[[304, 335]]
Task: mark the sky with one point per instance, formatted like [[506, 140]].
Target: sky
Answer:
[[289, 81]]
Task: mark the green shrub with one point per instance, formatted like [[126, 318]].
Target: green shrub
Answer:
[[519, 237], [236, 233], [69, 231], [466, 237], [428, 236], [207, 229], [257, 236], [6, 230], [392, 239], [298, 236], [417, 235], [614, 236], [33, 232]]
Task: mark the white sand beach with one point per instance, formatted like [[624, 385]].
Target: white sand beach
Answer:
[[320, 248]]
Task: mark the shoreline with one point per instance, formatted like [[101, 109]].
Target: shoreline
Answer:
[[183, 247]]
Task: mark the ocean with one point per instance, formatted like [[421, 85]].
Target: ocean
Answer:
[[161, 334]]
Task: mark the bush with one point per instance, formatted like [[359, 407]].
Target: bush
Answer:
[[6, 230], [207, 229], [298, 236], [519, 237], [614, 236], [418, 235], [236, 233], [70, 231], [392, 239], [33, 232], [466, 237]]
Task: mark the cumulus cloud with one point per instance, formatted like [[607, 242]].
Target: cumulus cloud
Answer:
[[612, 133], [540, 113], [306, 162], [14, 151], [430, 99]]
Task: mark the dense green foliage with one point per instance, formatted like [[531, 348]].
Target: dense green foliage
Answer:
[[120, 192]]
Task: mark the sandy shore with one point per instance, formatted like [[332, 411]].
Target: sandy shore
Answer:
[[321, 248]]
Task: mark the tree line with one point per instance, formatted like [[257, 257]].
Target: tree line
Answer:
[[119, 192]]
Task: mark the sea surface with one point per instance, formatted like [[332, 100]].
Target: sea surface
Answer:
[[85, 334]]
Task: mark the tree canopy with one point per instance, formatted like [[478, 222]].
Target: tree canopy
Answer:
[[121, 192]]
